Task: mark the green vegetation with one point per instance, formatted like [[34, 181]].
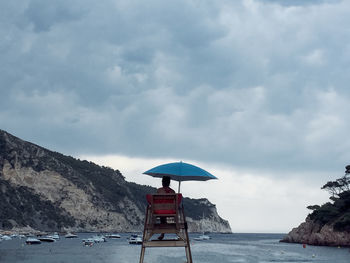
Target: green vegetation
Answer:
[[336, 212], [197, 208]]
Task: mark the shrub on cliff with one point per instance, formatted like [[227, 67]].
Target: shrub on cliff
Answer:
[[336, 212]]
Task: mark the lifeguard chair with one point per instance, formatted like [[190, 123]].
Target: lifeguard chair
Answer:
[[165, 214]]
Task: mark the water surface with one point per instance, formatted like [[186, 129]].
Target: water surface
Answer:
[[222, 248]]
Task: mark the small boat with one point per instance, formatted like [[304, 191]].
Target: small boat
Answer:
[[88, 242], [99, 239], [70, 235], [113, 236], [5, 237], [202, 237], [47, 239], [135, 240], [55, 236], [94, 239], [32, 241]]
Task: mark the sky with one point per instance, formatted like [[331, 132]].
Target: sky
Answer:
[[253, 91]]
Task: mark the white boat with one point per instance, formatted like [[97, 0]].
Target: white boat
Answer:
[[70, 235], [88, 242], [113, 236], [202, 237], [47, 239], [99, 239], [5, 237], [135, 240], [94, 239], [32, 241], [55, 236]]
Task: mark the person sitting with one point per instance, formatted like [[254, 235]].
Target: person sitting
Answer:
[[164, 190]]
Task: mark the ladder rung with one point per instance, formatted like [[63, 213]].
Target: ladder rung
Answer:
[[165, 243]]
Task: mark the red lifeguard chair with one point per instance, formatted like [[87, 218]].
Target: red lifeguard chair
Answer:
[[165, 214]]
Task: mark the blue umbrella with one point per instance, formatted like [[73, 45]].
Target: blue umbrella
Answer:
[[180, 171]]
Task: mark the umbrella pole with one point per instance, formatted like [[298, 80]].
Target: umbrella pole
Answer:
[[179, 187]]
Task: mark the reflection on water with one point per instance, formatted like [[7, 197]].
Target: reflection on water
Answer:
[[248, 248]]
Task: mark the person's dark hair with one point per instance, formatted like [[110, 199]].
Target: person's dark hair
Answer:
[[166, 181]]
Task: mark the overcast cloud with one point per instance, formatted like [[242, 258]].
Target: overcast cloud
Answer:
[[259, 86]]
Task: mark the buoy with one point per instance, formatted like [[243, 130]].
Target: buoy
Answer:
[[313, 255], [304, 245]]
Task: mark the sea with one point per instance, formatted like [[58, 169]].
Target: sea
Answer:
[[221, 248]]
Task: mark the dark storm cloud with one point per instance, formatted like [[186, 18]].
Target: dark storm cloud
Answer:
[[249, 83]]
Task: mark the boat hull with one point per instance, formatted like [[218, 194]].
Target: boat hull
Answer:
[[47, 239], [33, 241]]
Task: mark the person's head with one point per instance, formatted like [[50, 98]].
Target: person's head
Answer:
[[166, 181]]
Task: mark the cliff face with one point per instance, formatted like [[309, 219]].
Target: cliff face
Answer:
[[328, 224], [48, 191], [313, 233], [208, 221]]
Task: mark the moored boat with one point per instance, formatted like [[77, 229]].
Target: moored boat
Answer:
[[99, 239], [55, 236], [88, 242], [202, 237], [113, 236], [32, 241], [135, 240], [6, 237], [94, 239], [47, 239], [70, 235]]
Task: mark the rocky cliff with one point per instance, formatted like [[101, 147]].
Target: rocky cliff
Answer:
[[329, 224], [48, 191], [313, 233]]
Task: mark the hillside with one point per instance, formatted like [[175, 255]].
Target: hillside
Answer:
[[49, 191], [328, 224]]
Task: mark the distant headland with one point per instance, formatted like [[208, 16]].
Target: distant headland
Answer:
[[328, 224], [42, 190]]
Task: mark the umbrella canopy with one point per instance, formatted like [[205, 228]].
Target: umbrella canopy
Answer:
[[180, 171]]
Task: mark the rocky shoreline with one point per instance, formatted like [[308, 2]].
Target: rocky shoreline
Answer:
[[311, 233]]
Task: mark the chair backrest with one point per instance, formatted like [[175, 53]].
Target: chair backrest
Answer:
[[164, 204]]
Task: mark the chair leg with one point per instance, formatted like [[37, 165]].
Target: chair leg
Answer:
[[145, 235], [142, 254], [188, 254], [188, 247]]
